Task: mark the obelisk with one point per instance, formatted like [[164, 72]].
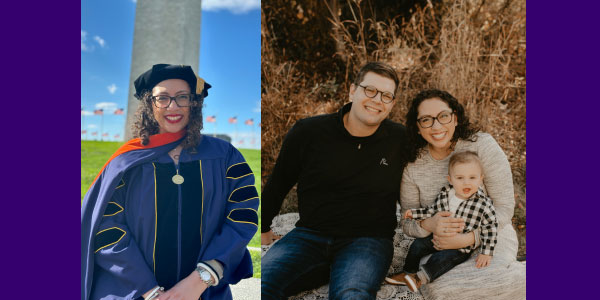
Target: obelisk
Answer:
[[164, 32]]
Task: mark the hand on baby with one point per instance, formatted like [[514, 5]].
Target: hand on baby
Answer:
[[408, 214], [483, 261]]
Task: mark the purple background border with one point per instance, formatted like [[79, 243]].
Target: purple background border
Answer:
[[41, 179], [562, 73], [41, 175]]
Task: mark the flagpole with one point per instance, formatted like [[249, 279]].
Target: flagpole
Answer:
[[82, 121], [102, 127], [233, 120]]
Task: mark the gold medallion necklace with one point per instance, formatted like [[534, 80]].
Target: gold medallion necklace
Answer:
[[177, 179]]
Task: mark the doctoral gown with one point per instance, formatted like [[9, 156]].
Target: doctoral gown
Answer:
[[140, 229]]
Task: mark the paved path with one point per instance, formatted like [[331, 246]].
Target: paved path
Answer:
[[247, 289]]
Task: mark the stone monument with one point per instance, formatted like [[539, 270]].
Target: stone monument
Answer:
[[164, 32]]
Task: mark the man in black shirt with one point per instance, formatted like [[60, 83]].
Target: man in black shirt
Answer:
[[348, 167]]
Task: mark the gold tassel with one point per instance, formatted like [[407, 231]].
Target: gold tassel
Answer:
[[199, 85]]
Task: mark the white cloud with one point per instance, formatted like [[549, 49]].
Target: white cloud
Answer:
[[92, 126], [256, 109], [87, 113], [84, 46], [235, 6], [100, 41], [106, 106], [112, 88]]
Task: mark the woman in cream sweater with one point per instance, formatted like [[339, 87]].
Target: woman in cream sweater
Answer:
[[438, 127]]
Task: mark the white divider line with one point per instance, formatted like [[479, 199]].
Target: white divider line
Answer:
[[253, 248]]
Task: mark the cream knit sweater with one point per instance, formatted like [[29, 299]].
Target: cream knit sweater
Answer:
[[422, 181]]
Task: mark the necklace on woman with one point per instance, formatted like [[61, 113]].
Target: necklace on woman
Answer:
[[177, 179]]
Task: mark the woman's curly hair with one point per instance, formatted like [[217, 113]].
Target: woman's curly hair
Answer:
[[145, 125], [416, 143]]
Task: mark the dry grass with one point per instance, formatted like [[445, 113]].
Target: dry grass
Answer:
[[473, 49]]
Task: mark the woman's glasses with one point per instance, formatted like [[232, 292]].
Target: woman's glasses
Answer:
[[163, 101], [443, 117]]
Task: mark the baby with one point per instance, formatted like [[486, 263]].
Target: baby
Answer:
[[466, 199]]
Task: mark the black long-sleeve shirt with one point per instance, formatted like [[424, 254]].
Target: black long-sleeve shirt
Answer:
[[347, 186]]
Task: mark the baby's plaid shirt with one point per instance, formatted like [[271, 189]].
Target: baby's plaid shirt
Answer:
[[477, 212]]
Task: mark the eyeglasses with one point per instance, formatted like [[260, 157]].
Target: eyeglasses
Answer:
[[371, 92], [163, 101], [443, 117]]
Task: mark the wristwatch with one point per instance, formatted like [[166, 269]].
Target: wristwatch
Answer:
[[205, 276]]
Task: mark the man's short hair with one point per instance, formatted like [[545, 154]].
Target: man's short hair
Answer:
[[378, 68], [464, 157]]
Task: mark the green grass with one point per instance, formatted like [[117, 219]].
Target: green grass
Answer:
[[253, 159], [256, 263], [94, 155]]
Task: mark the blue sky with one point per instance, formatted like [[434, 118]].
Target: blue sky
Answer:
[[229, 61]]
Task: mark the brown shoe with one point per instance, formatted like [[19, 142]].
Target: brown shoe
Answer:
[[396, 279], [413, 282]]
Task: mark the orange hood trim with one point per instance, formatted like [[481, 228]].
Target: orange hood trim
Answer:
[[156, 140]]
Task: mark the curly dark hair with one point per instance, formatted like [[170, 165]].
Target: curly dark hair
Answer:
[[145, 125], [416, 143]]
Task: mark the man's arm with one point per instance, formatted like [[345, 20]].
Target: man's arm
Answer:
[[285, 174]]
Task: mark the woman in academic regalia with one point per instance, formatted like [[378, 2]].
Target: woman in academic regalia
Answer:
[[172, 211]]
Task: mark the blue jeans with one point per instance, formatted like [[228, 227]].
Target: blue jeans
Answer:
[[304, 259], [438, 264]]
